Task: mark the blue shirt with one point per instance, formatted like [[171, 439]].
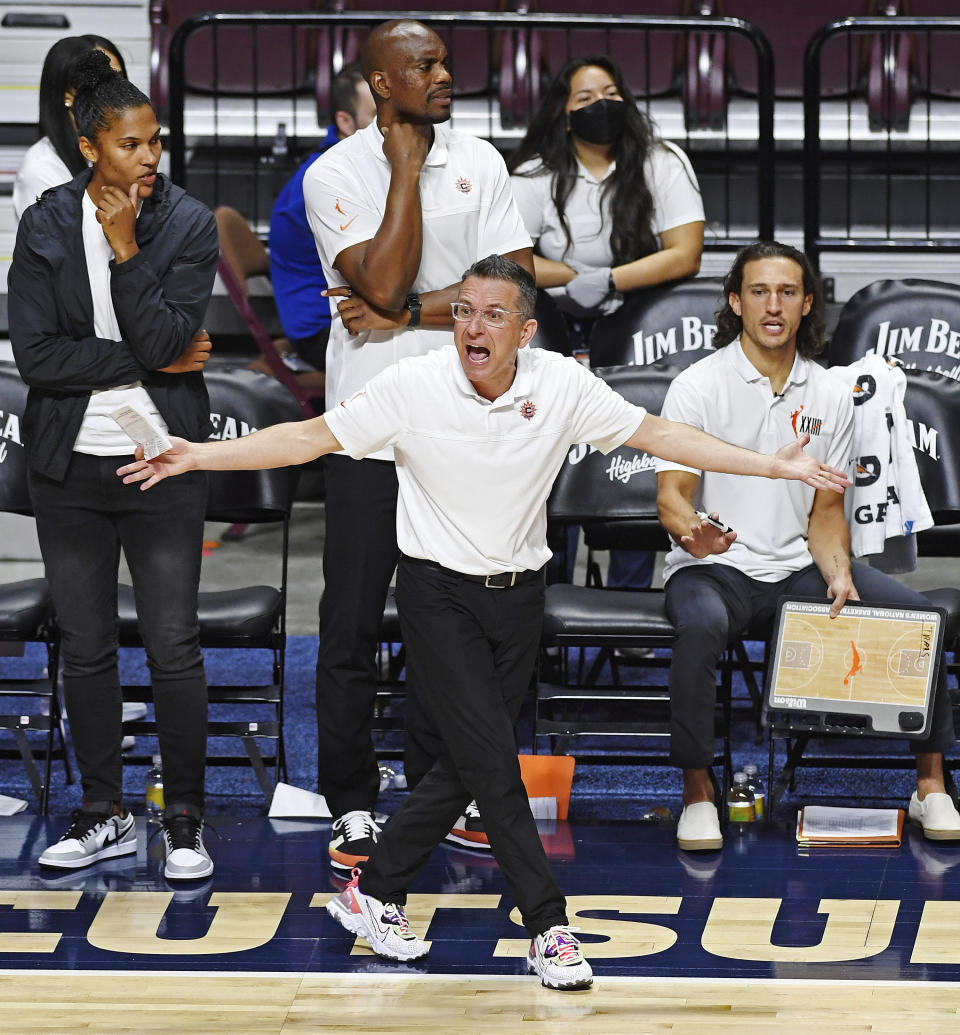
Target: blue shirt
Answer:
[[295, 269]]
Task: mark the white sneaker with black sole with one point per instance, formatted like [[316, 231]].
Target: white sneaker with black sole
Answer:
[[556, 957], [383, 924], [186, 856], [92, 837], [353, 837]]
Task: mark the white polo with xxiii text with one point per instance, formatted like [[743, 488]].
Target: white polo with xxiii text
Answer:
[[725, 395]]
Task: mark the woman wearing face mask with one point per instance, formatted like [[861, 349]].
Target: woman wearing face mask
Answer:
[[55, 157], [611, 208]]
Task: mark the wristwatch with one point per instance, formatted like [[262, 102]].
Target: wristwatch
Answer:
[[414, 304]]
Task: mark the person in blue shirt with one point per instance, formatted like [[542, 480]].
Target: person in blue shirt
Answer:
[[295, 271]]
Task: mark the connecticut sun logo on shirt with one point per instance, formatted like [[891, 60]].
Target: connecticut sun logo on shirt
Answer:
[[527, 410]]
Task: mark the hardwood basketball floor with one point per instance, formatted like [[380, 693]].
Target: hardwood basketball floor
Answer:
[[756, 937]]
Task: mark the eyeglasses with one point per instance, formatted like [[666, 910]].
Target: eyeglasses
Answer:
[[464, 313]]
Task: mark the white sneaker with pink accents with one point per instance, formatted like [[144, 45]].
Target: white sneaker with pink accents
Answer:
[[555, 955], [383, 924]]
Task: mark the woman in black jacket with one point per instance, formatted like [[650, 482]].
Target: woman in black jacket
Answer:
[[110, 279]]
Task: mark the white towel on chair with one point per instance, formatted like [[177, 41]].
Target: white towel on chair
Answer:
[[886, 500]]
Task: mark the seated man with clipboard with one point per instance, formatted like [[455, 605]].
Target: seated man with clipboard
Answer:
[[740, 547]]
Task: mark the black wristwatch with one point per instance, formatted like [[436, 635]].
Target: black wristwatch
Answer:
[[414, 305]]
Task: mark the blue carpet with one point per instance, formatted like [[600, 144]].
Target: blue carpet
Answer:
[[600, 792]]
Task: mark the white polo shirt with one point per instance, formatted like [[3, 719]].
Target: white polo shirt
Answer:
[[468, 213], [474, 475], [725, 395], [673, 187]]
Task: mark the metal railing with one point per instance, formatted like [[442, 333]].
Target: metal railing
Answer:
[[880, 149], [235, 145]]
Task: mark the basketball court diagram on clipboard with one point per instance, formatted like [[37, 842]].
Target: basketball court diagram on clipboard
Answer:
[[869, 670]]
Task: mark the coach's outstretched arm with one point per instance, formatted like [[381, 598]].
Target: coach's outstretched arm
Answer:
[[281, 445], [671, 440]]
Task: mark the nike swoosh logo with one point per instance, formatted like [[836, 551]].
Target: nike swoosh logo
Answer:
[[343, 226]]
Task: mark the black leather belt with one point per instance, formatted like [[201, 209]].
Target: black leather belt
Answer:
[[501, 580]]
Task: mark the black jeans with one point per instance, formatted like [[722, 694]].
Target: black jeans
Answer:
[[82, 524], [474, 650], [712, 605], [359, 557]]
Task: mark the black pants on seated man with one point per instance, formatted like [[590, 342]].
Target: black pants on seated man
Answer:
[[712, 606]]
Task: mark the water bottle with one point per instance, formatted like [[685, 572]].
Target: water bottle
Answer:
[[741, 808], [155, 790], [756, 785]]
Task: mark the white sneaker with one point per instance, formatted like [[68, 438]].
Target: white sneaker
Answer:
[[698, 829], [185, 855], [937, 815], [92, 837], [555, 955], [383, 924]]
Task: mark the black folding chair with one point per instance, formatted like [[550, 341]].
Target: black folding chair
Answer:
[[671, 325], [26, 616], [619, 489]]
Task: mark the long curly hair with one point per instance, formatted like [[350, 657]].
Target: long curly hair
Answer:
[[810, 334], [548, 141], [58, 76]]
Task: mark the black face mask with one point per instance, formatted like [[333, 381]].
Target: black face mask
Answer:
[[601, 122]]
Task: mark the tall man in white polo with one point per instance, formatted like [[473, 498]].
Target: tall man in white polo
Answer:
[[398, 211], [481, 432], [762, 387]]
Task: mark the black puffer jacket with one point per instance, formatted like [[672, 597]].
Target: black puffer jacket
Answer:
[[160, 297]]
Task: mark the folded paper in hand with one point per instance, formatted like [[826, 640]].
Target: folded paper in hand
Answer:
[[142, 430]]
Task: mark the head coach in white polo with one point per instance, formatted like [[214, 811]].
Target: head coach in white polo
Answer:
[[480, 432]]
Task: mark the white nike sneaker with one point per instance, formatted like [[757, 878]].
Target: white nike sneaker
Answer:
[[383, 924], [91, 837], [555, 955]]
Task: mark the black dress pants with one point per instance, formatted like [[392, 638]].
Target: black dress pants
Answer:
[[474, 650], [82, 523], [359, 557], [712, 605]]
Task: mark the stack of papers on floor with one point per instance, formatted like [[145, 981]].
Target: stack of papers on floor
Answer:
[[823, 825]]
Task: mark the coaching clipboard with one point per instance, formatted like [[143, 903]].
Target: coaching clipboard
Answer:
[[872, 670]]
